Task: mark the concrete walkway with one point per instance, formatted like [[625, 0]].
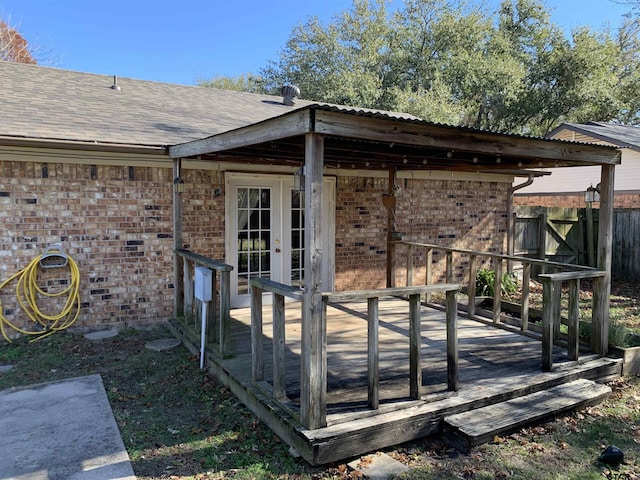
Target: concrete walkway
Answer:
[[62, 430]]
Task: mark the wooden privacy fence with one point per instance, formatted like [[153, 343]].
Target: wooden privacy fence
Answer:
[[551, 293], [569, 235], [220, 317], [281, 291]]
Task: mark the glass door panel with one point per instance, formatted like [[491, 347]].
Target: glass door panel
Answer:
[[253, 235]]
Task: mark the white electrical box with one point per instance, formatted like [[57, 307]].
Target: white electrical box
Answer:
[[203, 284]]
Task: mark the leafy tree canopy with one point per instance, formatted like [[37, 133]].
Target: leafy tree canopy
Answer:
[[456, 62]]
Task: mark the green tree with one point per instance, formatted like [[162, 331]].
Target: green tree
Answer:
[[241, 83], [456, 62]]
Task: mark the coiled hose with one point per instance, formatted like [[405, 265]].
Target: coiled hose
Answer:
[[27, 294]]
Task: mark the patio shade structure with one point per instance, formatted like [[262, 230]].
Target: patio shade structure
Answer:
[[320, 138]]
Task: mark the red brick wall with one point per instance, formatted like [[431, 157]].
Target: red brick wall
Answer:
[[470, 215], [621, 200], [116, 223]]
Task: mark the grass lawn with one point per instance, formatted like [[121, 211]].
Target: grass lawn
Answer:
[[179, 423]]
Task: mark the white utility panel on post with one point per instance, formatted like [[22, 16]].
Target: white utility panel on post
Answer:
[[203, 287]]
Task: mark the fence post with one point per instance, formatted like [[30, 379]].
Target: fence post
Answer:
[[471, 290]]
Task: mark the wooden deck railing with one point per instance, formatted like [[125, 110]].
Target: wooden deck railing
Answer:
[[280, 291], [551, 292], [220, 296], [553, 289]]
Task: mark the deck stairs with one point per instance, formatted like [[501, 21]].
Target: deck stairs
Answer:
[[468, 429]]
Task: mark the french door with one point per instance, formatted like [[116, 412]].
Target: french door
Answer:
[[265, 234]]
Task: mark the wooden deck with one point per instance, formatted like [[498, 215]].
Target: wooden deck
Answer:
[[495, 365]]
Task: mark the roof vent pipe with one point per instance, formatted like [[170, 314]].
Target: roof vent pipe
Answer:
[[115, 85], [289, 93]]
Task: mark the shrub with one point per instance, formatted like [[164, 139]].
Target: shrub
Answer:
[[485, 281]]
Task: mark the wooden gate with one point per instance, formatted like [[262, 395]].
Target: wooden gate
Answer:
[[557, 234], [565, 234]]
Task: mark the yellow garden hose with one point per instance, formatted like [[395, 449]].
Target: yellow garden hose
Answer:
[[28, 292]]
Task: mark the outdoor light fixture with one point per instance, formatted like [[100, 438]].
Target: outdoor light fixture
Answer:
[[592, 194], [298, 180]]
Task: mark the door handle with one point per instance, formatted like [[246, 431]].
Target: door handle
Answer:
[[277, 250]]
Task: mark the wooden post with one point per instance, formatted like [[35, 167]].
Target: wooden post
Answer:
[[279, 363], [225, 313], [373, 353], [449, 267], [257, 355], [187, 291], [497, 291], [574, 319], [211, 315], [391, 213], [313, 384], [428, 274], [602, 286], [548, 309], [542, 240], [415, 347], [452, 341], [524, 311], [178, 285], [471, 290], [591, 261], [410, 266]]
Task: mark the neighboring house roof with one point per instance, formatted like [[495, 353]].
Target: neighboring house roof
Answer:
[[623, 136], [576, 180]]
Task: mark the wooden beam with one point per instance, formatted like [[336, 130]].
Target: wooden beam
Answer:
[[460, 139], [548, 309], [313, 392], [574, 319], [292, 124], [348, 295], [602, 287]]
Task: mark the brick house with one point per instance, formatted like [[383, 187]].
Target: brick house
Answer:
[[84, 162], [566, 187], [138, 181]]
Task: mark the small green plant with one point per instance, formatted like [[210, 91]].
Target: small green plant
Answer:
[[485, 282]]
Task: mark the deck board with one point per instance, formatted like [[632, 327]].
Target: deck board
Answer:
[[494, 365]]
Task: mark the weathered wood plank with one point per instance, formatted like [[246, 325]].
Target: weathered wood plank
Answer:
[[373, 358], [394, 291], [548, 309], [428, 274], [452, 341], [278, 288], [313, 395], [471, 289], [204, 261], [574, 319], [225, 316], [381, 130], [415, 348], [602, 287], [296, 123], [524, 311], [257, 355], [497, 291], [279, 358], [481, 425]]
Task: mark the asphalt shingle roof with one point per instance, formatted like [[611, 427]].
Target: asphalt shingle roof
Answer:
[[48, 103], [620, 135]]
